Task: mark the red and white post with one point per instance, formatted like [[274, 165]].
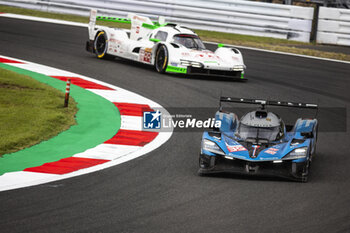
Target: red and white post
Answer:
[[66, 99]]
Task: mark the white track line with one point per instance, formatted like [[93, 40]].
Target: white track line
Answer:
[[44, 20]]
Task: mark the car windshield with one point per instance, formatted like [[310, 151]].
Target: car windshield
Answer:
[[252, 132], [189, 41]]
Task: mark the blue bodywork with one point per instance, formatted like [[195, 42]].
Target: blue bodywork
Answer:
[[303, 134]]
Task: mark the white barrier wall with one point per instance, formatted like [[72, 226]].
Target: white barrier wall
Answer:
[[233, 16], [333, 26]]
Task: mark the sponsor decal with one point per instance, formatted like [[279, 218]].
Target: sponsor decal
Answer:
[[139, 18], [254, 151], [145, 55], [235, 148], [271, 151], [113, 40], [176, 69], [201, 55]]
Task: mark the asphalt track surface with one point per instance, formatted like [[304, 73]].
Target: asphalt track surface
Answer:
[[161, 192]]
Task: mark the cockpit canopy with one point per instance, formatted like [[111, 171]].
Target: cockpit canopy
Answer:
[[189, 41], [261, 125]]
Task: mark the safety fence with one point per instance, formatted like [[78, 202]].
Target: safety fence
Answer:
[[232, 16], [333, 26]]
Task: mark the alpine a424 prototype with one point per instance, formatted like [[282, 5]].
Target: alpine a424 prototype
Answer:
[[167, 46], [260, 142]]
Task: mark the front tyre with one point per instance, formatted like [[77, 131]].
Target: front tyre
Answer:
[[202, 166], [101, 45], [304, 176], [161, 60], [206, 164]]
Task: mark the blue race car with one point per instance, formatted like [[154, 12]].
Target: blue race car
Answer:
[[260, 142]]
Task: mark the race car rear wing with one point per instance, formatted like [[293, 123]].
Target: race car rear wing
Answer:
[[263, 103], [92, 23], [140, 25]]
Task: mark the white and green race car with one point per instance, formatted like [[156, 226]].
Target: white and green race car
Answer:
[[168, 47]]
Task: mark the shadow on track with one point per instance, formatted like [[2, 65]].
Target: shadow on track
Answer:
[[249, 177], [209, 78]]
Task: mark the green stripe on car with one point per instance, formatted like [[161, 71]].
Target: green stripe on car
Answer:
[[175, 69]]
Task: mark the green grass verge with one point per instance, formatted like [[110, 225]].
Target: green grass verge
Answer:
[[30, 112], [227, 38], [97, 121]]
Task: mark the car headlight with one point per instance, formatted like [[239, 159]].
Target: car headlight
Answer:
[[211, 146], [238, 68], [297, 153], [185, 63], [191, 63], [196, 64]]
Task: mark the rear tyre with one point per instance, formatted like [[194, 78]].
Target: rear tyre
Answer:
[[305, 174], [161, 60], [101, 45]]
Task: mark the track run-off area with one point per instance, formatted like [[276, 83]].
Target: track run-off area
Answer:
[[108, 131], [161, 191]]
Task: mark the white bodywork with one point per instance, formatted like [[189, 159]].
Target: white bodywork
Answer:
[[138, 47]]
